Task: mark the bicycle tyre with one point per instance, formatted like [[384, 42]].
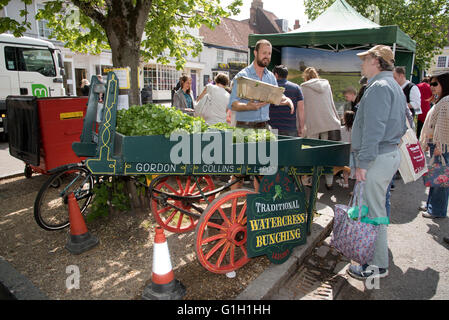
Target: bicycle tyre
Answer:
[[51, 207]]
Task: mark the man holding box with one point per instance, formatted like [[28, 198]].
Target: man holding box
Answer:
[[255, 114]]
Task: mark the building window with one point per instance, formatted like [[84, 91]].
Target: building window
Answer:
[[220, 56], [238, 57], [44, 32], [442, 62], [160, 77]]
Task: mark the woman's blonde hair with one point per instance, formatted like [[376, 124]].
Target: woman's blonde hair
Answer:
[[84, 82], [310, 73]]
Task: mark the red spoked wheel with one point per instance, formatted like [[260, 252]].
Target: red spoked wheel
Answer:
[[169, 202], [221, 233]]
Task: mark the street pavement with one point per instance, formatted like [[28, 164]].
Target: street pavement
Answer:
[[9, 165], [419, 259]]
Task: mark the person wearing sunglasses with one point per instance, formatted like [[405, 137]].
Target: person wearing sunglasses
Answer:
[[435, 137]]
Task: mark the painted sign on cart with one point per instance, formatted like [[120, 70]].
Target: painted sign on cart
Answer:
[[276, 218]]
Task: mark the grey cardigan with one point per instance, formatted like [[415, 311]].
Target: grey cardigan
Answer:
[[179, 101], [380, 120]]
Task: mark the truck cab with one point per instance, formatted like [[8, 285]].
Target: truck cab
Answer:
[[30, 67]]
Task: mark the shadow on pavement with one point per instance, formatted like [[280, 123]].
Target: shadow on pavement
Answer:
[[413, 284], [438, 230]]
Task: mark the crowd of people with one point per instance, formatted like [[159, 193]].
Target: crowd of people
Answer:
[[374, 120]]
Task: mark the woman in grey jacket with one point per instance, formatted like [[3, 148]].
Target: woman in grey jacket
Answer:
[[183, 98]]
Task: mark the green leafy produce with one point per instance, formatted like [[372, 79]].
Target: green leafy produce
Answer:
[[153, 119], [110, 192]]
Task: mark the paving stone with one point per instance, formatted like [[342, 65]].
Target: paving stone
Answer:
[[327, 241], [322, 251], [334, 251], [312, 261], [341, 267]]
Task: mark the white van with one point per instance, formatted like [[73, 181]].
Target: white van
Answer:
[[28, 66]]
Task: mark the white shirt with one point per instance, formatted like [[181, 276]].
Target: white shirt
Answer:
[[415, 97], [215, 106]]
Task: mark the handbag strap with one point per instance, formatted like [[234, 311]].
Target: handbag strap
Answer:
[[432, 160], [360, 197], [357, 197]]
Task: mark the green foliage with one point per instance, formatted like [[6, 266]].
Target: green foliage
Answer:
[[153, 119], [108, 193], [82, 25], [134, 30], [425, 21], [170, 24]]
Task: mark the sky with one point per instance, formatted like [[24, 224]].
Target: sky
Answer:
[[290, 10]]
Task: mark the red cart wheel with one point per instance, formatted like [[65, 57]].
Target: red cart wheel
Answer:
[[170, 218], [221, 233]]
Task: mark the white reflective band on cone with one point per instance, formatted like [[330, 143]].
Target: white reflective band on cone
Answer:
[[161, 259]]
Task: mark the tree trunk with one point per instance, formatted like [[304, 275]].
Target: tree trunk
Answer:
[[124, 26], [127, 55]]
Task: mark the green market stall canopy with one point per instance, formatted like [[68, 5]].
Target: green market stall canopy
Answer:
[[341, 28]]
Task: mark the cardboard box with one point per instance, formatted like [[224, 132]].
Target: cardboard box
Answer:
[[250, 89]]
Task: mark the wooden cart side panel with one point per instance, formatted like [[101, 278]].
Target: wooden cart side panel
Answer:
[[103, 163]]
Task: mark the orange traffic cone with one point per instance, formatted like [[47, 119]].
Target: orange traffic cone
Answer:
[[163, 285], [80, 239]]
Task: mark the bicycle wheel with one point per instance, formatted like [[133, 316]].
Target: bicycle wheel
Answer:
[[51, 210]]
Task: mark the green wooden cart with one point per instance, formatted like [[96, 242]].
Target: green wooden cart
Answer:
[[184, 196]]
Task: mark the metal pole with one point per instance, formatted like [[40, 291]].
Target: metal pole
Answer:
[[413, 62]]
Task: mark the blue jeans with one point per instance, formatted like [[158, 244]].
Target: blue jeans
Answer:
[[437, 200]]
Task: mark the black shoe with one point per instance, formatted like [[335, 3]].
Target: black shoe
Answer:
[[392, 187], [366, 271], [446, 239]]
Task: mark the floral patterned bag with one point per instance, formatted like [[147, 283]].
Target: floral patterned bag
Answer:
[[352, 237], [438, 174]]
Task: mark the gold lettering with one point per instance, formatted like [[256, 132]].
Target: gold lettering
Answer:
[[253, 224], [258, 241]]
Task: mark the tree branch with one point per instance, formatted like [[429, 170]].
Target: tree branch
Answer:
[[88, 9]]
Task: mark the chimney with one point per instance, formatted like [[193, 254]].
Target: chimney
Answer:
[[253, 11], [296, 26]]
